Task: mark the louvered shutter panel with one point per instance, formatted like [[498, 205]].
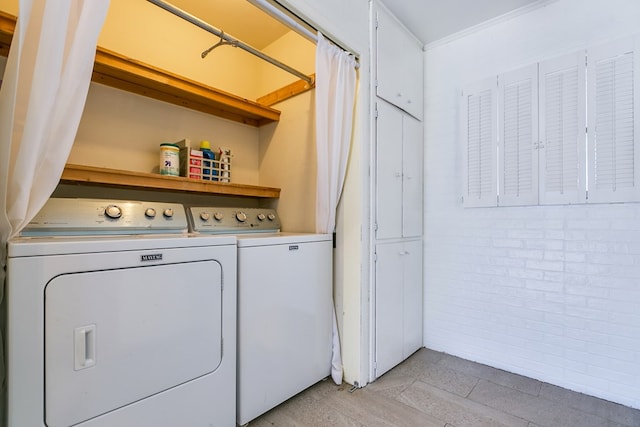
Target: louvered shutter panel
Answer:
[[478, 130], [562, 130], [518, 137], [613, 150]]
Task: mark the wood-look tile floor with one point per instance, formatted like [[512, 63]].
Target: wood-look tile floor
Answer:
[[432, 389]]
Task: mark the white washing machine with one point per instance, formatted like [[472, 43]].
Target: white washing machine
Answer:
[[284, 305], [116, 317]]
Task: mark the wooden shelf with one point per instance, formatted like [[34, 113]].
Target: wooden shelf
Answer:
[[124, 73], [130, 75], [79, 174], [7, 27], [286, 92]]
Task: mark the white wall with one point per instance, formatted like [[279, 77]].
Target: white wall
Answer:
[[121, 130], [298, 52], [10, 6], [548, 292], [288, 160], [287, 157]]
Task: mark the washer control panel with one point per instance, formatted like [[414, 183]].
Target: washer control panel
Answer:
[[220, 220], [71, 217]]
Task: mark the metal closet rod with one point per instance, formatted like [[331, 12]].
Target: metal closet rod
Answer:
[[287, 20], [279, 15], [199, 23]]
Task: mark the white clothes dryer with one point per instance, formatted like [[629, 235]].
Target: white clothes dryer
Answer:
[[284, 305], [117, 325]]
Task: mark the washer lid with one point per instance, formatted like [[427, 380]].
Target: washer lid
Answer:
[[270, 239]]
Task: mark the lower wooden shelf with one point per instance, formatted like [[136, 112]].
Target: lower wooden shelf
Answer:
[[149, 181]]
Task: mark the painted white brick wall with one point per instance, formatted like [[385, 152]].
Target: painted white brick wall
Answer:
[[549, 292]]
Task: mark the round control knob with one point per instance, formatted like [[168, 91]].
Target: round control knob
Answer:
[[271, 217], [261, 217], [205, 216], [241, 216], [113, 212], [218, 216], [150, 213], [168, 212]]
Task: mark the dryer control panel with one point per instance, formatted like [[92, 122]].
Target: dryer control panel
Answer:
[[219, 220], [72, 217]]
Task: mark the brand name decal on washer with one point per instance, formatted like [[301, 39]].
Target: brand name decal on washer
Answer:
[[151, 257], [293, 247]]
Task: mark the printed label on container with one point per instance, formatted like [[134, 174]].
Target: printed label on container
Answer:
[[169, 159]]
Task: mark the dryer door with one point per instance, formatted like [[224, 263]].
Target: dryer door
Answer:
[[114, 337]]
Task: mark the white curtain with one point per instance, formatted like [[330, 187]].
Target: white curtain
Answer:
[[335, 97], [42, 96]]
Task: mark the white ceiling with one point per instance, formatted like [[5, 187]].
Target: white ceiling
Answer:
[[429, 20]]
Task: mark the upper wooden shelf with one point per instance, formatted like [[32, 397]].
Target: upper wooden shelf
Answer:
[[7, 27], [79, 174], [124, 73], [128, 74]]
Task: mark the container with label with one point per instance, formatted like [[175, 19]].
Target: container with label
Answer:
[[169, 159], [209, 171]]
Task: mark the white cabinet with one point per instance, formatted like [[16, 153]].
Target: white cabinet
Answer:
[[398, 173], [399, 65], [397, 195], [398, 274]]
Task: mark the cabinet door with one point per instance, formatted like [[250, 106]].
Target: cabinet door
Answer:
[[412, 165], [399, 174], [399, 65], [389, 302], [389, 172], [398, 296], [412, 308]]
